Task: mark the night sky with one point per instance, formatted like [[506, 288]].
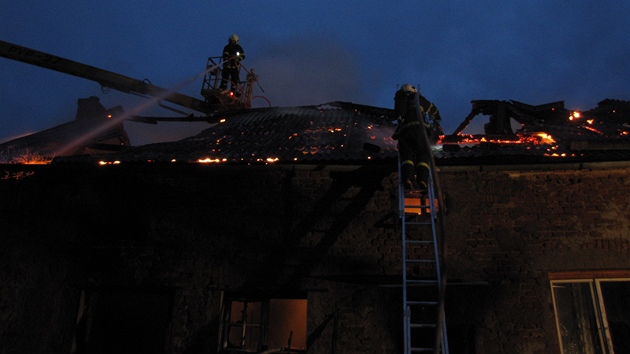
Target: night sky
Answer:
[[312, 52]]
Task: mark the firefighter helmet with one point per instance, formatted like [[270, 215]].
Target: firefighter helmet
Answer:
[[408, 88], [233, 39]]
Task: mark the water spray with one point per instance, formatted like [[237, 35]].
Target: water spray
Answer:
[[110, 123]]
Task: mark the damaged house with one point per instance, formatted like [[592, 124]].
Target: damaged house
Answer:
[[286, 230], [279, 230]]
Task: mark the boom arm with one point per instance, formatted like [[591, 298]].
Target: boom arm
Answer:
[[105, 78]]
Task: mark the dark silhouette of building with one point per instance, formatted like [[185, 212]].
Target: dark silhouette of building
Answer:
[[278, 229]]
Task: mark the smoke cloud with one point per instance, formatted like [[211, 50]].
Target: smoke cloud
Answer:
[[307, 71]]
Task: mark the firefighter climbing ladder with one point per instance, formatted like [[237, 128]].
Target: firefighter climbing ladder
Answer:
[[422, 268]]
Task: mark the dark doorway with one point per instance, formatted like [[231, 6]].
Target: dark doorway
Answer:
[[129, 322]]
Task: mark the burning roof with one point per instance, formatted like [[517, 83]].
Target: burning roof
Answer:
[[544, 134], [347, 133], [329, 133]]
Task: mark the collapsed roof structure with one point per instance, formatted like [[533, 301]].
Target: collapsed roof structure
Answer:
[[337, 131], [353, 133], [545, 132], [350, 133]]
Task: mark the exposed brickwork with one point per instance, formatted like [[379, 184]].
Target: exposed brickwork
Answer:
[[511, 228]]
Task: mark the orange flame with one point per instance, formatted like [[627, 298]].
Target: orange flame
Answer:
[[531, 138], [211, 160]]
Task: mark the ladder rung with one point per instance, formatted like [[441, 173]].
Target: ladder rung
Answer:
[[426, 303], [422, 325], [420, 241], [420, 260], [421, 349], [410, 215], [428, 282], [418, 206], [415, 223]]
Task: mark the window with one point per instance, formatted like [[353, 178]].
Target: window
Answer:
[[270, 325], [592, 315]]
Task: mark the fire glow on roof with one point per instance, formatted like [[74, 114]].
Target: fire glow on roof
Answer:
[[337, 133]]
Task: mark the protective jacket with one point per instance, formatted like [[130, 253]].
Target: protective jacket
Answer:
[[410, 108], [231, 59]]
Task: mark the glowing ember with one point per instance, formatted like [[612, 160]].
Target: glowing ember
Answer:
[[555, 154], [593, 130], [545, 138], [209, 160], [575, 115], [16, 175], [538, 138], [42, 161]]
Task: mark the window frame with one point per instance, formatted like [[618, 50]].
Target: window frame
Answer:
[[264, 326], [594, 279]]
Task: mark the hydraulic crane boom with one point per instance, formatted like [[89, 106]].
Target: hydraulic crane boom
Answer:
[[105, 78]]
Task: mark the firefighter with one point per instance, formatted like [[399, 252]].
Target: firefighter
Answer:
[[233, 53], [410, 108]]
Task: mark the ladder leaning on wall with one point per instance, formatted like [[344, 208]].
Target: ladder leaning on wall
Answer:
[[423, 260]]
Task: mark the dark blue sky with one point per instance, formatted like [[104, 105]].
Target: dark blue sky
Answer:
[[311, 52]]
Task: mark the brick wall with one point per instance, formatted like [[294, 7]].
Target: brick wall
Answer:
[[187, 234], [511, 228]]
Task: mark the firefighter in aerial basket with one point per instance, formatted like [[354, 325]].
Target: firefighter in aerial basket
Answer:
[[233, 54], [410, 108]]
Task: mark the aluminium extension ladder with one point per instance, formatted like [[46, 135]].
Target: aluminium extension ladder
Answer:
[[423, 281]]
